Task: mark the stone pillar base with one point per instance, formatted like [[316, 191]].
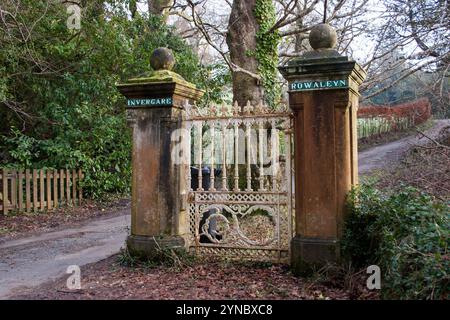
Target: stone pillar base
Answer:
[[307, 254], [152, 247]]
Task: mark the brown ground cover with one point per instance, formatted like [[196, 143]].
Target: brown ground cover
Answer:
[[109, 279]]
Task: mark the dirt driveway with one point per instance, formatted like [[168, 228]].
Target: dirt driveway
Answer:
[[383, 155], [34, 260]]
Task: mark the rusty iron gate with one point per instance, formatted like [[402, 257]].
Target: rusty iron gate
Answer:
[[239, 197]]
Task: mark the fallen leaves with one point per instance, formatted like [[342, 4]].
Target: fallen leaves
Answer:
[[202, 280], [23, 224]]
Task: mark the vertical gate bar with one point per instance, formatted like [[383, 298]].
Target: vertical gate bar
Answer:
[[248, 148], [224, 156], [275, 153], [260, 154], [279, 245], [288, 181], [236, 156], [197, 226], [20, 188], [27, 190], [200, 155], [189, 148], [212, 173]]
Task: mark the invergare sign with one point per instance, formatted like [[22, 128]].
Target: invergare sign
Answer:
[[317, 85], [141, 102]]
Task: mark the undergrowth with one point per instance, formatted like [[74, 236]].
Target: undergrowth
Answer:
[[406, 234]]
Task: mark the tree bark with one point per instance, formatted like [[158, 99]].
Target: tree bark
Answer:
[[132, 6], [241, 39]]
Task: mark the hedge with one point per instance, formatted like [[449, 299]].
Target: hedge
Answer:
[[417, 111]]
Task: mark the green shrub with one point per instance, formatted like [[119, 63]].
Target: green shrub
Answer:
[[406, 234], [72, 114]]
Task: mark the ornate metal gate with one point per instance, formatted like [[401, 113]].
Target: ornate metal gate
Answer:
[[240, 183]]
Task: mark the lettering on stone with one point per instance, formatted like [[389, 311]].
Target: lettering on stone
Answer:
[[143, 102], [318, 85]]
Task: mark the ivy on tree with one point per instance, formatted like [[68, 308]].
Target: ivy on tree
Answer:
[[266, 52]]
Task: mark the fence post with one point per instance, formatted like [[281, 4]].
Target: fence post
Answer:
[[80, 188], [48, 192], [61, 186], [20, 189], [35, 188], [13, 202], [323, 94], [41, 191], [27, 190], [154, 112], [74, 187], [68, 201], [55, 189], [5, 190]]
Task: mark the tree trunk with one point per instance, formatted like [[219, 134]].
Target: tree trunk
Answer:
[[160, 7], [132, 6], [241, 39]]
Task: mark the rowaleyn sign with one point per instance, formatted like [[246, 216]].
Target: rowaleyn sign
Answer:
[[318, 85], [142, 102]]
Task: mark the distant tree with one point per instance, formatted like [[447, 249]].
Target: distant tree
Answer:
[[420, 31], [254, 36]]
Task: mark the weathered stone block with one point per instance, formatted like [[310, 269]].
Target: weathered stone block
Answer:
[[154, 112], [324, 96], [309, 254], [154, 247]]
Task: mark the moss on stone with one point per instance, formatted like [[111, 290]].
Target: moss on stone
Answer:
[[160, 76]]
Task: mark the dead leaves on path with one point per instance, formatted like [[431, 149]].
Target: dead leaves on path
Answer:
[[22, 224], [203, 280]]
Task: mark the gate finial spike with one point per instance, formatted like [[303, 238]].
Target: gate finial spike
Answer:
[[248, 107], [187, 109], [212, 110], [259, 107], [224, 109], [236, 108]]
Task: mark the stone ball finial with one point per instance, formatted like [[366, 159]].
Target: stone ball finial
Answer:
[[322, 36], [162, 59]]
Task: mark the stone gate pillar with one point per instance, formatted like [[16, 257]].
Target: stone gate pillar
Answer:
[[154, 112], [323, 94]]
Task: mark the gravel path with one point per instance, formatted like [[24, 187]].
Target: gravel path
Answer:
[[34, 260], [381, 156], [37, 259]]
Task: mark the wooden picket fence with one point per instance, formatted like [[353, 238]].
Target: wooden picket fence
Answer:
[[39, 189]]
